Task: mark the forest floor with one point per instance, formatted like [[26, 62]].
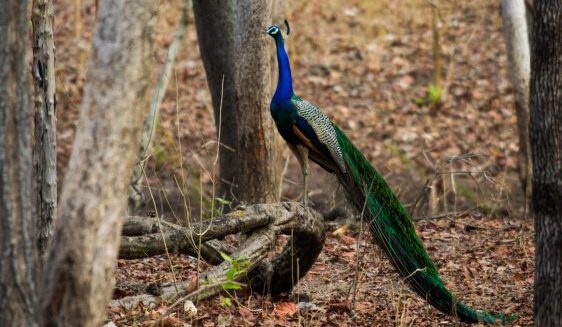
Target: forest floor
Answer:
[[368, 64]]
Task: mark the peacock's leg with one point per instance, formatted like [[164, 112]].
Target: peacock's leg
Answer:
[[303, 160]]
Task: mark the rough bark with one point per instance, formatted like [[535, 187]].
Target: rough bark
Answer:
[[232, 47], [519, 66], [82, 253], [214, 21], [545, 131], [151, 121], [44, 148], [267, 221], [258, 170], [18, 219]]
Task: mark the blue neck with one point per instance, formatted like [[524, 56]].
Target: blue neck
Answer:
[[284, 89]]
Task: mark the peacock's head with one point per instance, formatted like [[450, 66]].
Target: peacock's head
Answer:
[[275, 31]]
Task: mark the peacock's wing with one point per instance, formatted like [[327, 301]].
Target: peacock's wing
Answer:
[[318, 152], [322, 127]]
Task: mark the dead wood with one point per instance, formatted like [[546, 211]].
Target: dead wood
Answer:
[[265, 222]]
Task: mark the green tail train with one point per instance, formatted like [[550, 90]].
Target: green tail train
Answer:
[[395, 233]]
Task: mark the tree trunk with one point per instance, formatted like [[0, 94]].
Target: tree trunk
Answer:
[[44, 148], [82, 253], [18, 219], [258, 169], [519, 61], [214, 21], [545, 131], [233, 48]]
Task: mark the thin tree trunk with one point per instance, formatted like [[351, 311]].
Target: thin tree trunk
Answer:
[[232, 47], [82, 253], [519, 61], [545, 132], [151, 121], [18, 219], [436, 46], [44, 149]]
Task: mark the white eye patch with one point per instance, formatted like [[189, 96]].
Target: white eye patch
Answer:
[[273, 30]]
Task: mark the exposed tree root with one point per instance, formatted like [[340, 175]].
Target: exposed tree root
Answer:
[[265, 222]]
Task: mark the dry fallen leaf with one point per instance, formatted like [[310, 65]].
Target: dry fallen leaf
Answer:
[[168, 322], [341, 230], [246, 313], [285, 309], [363, 306], [347, 240], [189, 309], [502, 250]]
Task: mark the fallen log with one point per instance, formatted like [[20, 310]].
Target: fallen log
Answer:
[[263, 222]]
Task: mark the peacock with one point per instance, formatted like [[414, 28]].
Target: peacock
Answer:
[[310, 134]]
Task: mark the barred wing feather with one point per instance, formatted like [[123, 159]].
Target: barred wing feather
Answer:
[[323, 128]]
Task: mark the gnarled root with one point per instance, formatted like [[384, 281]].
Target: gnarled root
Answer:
[[263, 222]]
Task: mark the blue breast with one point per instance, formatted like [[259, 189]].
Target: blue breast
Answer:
[[283, 110], [284, 114]]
